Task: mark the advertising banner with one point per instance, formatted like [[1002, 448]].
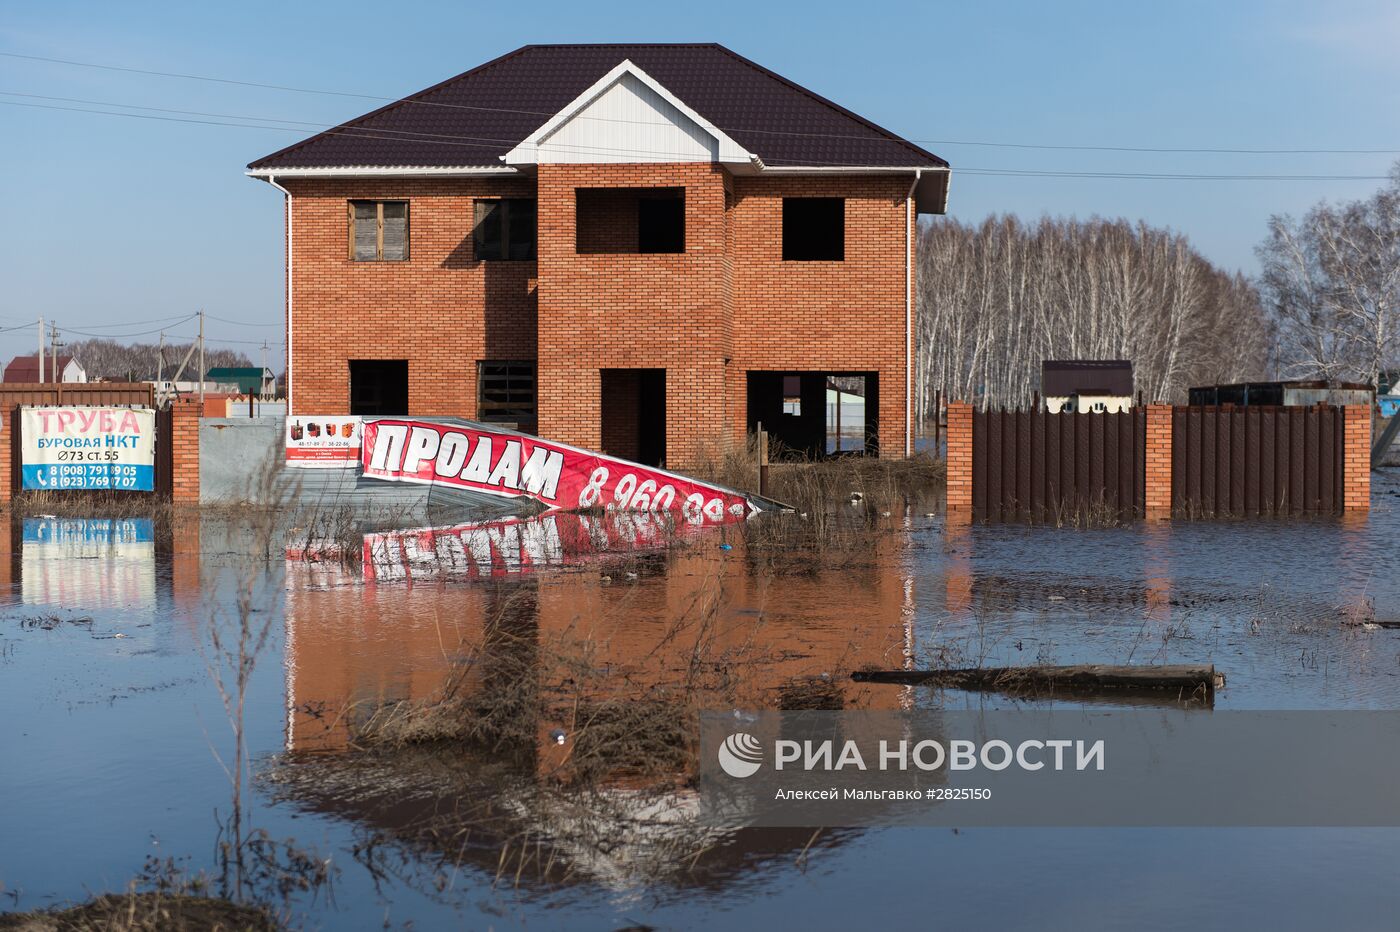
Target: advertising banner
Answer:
[[85, 447], [513, 465], [323, 442]]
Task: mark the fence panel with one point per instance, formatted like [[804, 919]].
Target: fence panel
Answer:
[[1034, 465], [1257, 460]]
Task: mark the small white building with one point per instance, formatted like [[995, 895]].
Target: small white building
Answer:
[[1087, 385]]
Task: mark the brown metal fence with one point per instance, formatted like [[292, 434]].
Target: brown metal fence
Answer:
[[1033, 465], [1257, 460]]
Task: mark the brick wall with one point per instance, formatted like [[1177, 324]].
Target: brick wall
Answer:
[[846, 316], [959, 460], [1356, 481], [727, 305], [619, 311], [1159, 462], [440, 309], [184, 437]]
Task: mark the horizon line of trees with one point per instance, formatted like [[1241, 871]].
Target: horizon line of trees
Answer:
[[142, 362]]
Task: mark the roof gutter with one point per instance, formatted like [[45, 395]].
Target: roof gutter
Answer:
[[909, 314], [272, 180]]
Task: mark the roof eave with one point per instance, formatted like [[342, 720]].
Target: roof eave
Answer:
[[930, 193], [263, 173]]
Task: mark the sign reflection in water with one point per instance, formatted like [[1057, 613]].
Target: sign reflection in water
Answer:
[[89, 562]]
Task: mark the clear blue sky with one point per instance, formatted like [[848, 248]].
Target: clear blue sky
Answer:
[[114, 220]]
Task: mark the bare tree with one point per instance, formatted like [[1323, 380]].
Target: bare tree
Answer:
[[139, 362], [1331, 283], [996, 299]]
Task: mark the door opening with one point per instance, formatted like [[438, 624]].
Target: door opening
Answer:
[[633, 408]]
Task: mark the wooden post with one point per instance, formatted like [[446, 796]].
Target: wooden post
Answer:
[[762, 460], [937, 419], [838, 420]]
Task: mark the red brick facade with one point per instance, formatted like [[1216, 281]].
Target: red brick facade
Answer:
[[1159, 462], [184, 439], [727, 305], [1356, 479], [959, 461]]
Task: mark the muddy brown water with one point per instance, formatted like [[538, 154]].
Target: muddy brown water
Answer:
[[111, 724]]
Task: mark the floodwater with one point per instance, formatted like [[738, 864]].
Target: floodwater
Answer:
[[112, 729]]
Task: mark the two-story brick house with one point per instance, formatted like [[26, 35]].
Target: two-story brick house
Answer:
[[644, 249]]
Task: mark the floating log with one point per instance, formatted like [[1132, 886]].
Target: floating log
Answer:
[[1079, 678]]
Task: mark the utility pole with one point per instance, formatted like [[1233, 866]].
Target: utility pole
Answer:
[[201, 356], [41, 350], [53, 351]]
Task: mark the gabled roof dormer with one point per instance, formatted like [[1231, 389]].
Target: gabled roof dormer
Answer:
[[627, 116]]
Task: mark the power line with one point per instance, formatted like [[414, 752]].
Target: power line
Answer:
[[453, 141], [238, 323], [1176, 150]]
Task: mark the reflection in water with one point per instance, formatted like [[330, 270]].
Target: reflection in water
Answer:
[[395, 631], [590, 763], [88, 561], [649, 630]]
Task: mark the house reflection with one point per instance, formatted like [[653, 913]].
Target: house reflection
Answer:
[[675, 620], [634, 594]]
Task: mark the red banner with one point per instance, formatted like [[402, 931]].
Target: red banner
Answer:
[[515, 465]]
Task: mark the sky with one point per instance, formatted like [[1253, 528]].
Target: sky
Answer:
[[121, 226]]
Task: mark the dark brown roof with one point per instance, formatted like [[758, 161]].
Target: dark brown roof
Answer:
[[26, 368], [477, 117], [1062, 377]]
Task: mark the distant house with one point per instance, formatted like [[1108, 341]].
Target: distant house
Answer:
[[258, 380], [1086, 385], [26, 369]]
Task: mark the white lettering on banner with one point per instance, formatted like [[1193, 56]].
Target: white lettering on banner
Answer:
[[452, 455], [480, 466], [559, 476], [422, 445], [541, 473], [388, 448], [507, 471]]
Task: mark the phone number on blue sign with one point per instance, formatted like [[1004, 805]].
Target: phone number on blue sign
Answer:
[[89, 476]]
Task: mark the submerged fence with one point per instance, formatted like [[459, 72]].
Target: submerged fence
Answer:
[[1257, 460], [1157, 461], [1030, 465]]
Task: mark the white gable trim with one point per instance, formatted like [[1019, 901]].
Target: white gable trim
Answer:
[[527, 152]]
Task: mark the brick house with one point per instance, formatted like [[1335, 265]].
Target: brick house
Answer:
[[644, 249]]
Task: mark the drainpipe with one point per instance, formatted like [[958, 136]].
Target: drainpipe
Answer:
[[909, 315], [272, 180]]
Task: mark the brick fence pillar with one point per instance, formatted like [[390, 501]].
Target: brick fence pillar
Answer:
[[959, 461], [184, 438], [1159, 462], [1356, 468]]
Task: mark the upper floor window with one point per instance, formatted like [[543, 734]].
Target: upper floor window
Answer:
[[505, 229], [814, 229], [629, 220], [378, 231]]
